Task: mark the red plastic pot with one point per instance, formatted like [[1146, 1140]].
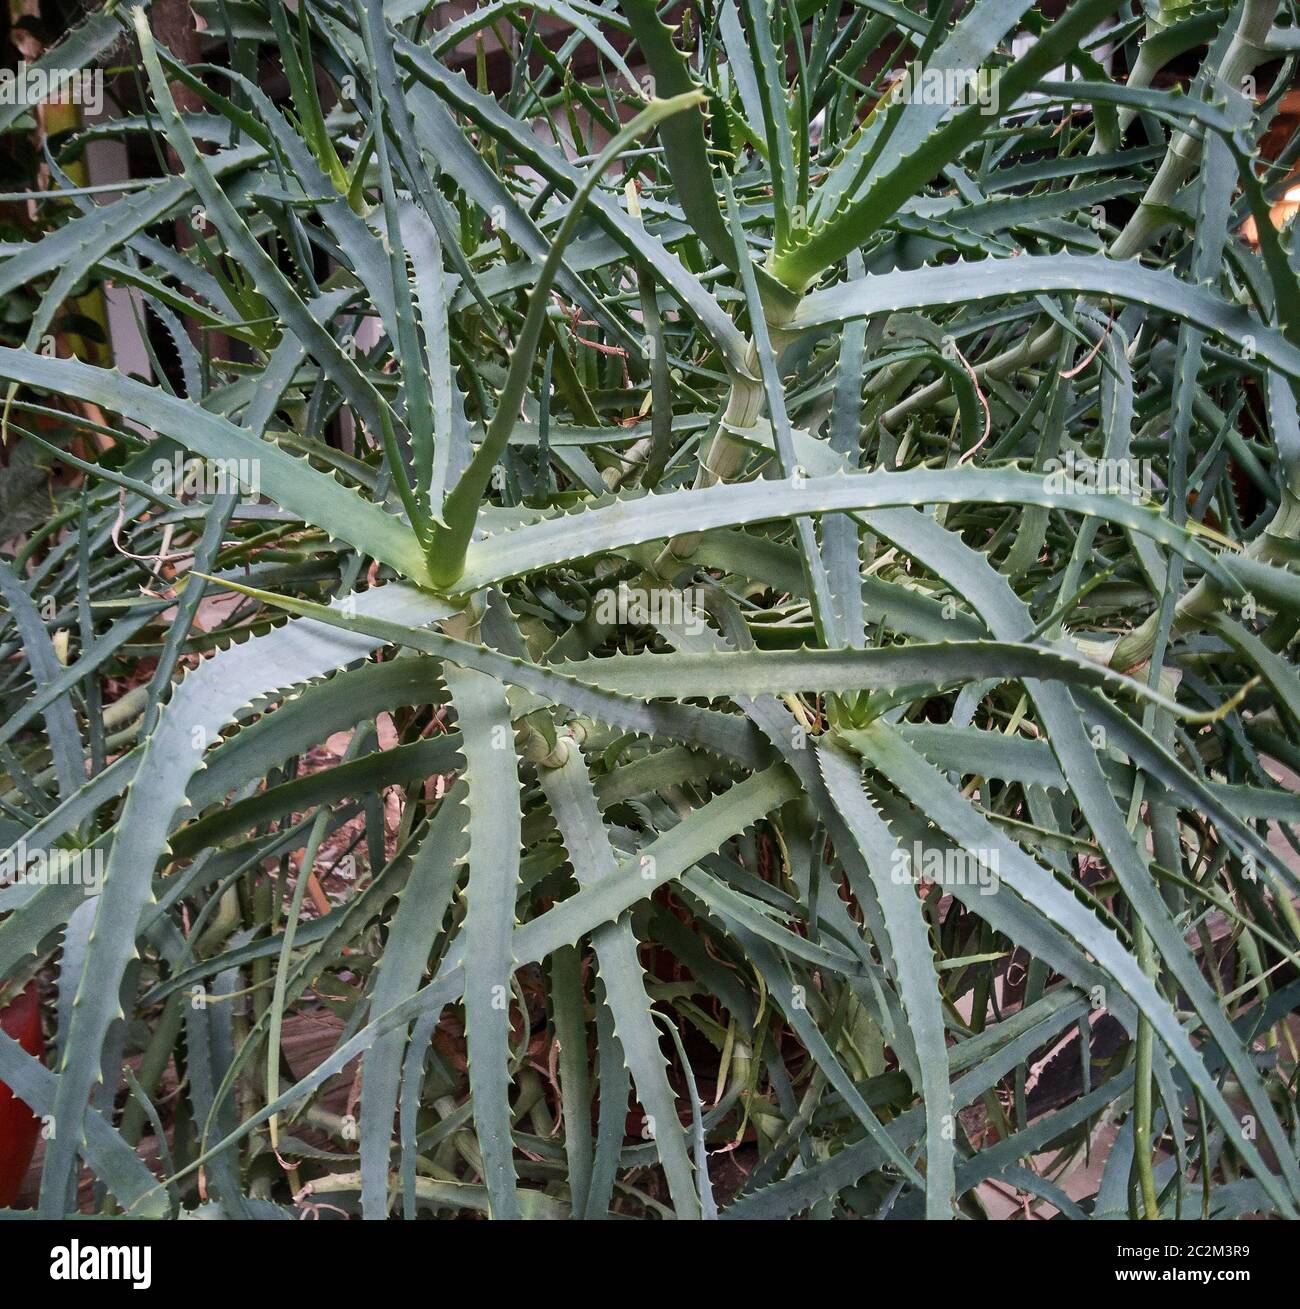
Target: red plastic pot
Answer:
[[19, 1127]]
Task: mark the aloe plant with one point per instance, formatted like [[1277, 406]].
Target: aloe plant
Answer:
[[802, 569]]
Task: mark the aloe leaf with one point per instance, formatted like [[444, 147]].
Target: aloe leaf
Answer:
[[293, 483], [628, 522], [102, 228], [1124, 280], [685, 149], [573, 802], [492, 835], [912, 667], [760, 38], [914, 963], [61, 723]]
